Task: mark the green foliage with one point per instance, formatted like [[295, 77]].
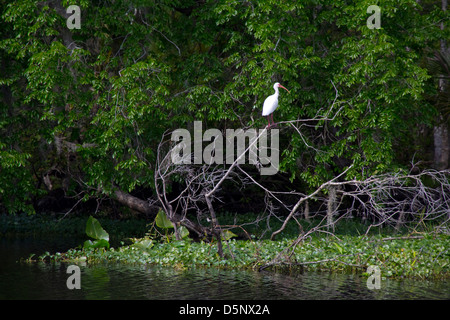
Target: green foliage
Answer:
[[402, 258], [144, 244], [95, 231], [227, 235], [101, 243], [93, 103], [162, 221], [398, 253], [184, 232]]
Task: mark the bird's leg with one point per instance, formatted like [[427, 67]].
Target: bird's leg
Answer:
[[274, 124], [268, 121]]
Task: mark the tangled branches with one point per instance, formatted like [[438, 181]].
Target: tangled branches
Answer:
[[386, 199], [394, 198]]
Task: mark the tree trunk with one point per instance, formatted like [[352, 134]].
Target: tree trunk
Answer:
[[135, 203], [144, 207], [331, 206], [215, 230], [441, 146], [306, 211], [441, 130]]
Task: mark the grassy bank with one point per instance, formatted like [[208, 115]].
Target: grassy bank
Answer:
[[399, 254]]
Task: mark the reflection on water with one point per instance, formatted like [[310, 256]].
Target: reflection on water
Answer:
[[117, 281]]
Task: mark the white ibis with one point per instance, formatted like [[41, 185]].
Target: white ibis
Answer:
[[271, 103]]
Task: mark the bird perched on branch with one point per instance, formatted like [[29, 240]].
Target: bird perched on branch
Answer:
[[271, 103]]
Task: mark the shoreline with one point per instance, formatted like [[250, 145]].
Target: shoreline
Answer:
[[421, 255]]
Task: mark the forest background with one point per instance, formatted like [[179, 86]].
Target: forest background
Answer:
[[86, 113]]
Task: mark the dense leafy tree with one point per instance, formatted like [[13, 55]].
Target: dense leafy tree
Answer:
[[84, 109]]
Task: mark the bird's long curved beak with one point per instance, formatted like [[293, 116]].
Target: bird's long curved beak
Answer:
[[284, 88]]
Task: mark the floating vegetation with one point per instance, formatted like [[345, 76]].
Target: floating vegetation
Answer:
[[424, 257], [423, 254]]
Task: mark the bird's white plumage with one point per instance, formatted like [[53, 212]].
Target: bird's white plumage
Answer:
[[271, 102]]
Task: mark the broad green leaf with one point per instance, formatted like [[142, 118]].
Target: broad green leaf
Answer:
[[144, 244], [227, 235], [338, 247], [184, 232], [162, 221], [88, 244], [95, 230], [102, 243]]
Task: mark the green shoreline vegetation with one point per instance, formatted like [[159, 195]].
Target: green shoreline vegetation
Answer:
[[421, 254]]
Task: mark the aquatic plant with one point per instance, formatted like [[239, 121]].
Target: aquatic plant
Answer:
[[423, 254], [95, 231]]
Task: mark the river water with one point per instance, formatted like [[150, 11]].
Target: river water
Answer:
[[48, 281]]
